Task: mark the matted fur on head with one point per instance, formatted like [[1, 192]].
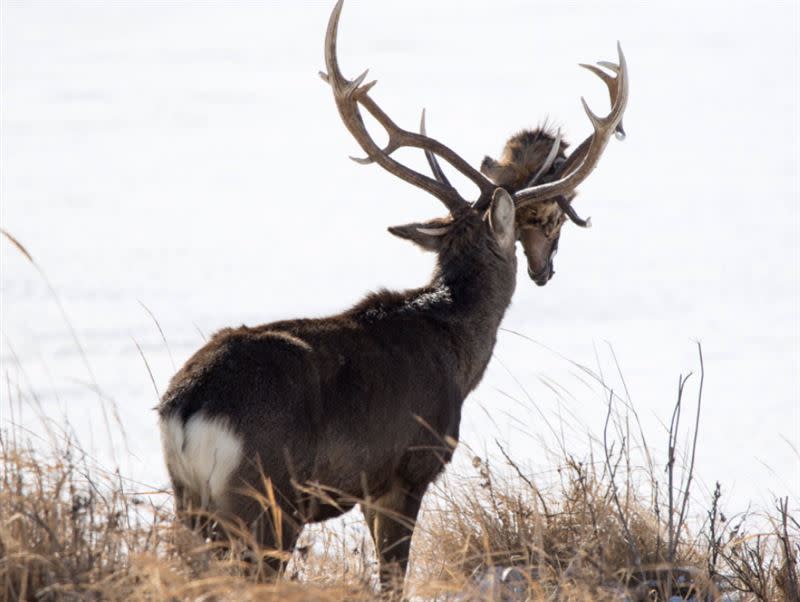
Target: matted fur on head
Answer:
[[528, 159], [522, 158]]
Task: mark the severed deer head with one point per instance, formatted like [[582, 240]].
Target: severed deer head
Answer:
[[538, 156], [533, 167]]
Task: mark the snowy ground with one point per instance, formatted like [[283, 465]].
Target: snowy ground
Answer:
[[186, 157]]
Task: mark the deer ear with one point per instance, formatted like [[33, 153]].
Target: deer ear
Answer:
[[501, 218], [427, 236]]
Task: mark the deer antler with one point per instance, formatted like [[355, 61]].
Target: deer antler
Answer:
[[349, 94], [584, 159], [559, 190], [432, 162]]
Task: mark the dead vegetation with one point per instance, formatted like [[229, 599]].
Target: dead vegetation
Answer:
[[570, 543], [68, 532], [613, 525], [604, 529]]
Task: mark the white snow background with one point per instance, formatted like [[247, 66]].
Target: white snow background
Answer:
[[186, 156]]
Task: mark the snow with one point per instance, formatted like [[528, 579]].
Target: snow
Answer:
[[185, 158]]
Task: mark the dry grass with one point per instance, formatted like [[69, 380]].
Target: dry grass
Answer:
[[611, 527], [570, 544], [70, 532]]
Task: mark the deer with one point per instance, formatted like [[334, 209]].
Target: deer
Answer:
[[534, 156], [362, 408]]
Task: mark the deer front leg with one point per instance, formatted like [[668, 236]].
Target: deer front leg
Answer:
[[391, 520]]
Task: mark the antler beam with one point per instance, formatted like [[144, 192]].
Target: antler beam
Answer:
[[587, 155], [349, 94]]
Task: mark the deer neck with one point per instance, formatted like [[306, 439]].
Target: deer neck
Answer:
[[478, 293]]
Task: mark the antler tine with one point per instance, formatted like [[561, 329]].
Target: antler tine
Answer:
[[585, 158], [611, 83], [432, 160], [485, 198], [548, 162], [349, 94]]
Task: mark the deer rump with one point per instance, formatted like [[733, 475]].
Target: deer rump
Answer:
[[299, 403]]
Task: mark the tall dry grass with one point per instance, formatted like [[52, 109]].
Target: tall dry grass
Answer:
[[69, 531], [615, 524]]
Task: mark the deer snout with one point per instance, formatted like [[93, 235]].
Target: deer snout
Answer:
[[542, 277], [540, 252]]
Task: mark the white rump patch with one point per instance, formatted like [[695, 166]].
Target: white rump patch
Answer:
[[201, 455]]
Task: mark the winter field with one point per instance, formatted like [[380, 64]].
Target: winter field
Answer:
[[183, 161]]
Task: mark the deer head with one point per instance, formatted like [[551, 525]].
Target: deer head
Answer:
[[541, 201], [529, 157], [534, 164], [538, 156]]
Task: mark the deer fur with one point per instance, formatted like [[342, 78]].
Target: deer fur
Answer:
[[522, 156], [363, 406]]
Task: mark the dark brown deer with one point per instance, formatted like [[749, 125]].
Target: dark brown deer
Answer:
[[318, 415], [533, 157]]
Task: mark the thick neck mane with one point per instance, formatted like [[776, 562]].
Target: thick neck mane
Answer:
[[466, 286]]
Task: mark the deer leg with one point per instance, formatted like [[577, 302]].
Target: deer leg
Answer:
[[391, 520], [270, 531], [188, 509], [276, 541]]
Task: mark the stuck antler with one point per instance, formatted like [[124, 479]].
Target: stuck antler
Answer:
[[349, 94], [585, 158], [432, 162], [574, 170]]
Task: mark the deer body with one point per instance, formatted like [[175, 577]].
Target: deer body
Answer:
[[366, 404]]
